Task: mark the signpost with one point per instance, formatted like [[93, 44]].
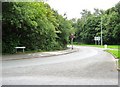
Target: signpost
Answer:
[[72, 37], [97, 39]]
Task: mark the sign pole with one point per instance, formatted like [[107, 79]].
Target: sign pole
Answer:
[[72, 42], [72, 37]]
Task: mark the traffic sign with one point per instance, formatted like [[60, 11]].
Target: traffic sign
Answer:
[[72, 36], [97, 38]]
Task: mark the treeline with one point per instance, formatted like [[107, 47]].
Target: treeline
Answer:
[[33, 25], [38, 27], [89, 26]]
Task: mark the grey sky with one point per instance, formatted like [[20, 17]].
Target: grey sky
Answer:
[[73, 7]]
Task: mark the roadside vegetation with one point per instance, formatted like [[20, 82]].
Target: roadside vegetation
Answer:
[[38, 27], [93, 45], [33, 25], [115, 53], [89, 26]]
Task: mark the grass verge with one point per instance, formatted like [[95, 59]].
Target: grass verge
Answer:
[[114, 52], [93, 45]]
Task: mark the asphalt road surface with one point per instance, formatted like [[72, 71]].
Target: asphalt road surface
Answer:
[[88, 66]]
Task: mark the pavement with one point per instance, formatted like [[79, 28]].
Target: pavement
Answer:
[[87, 66], [19, 56]]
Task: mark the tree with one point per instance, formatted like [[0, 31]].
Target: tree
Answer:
[[89, 25], [33, 25]]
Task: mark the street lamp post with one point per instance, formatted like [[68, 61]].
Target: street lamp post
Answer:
[[101, 33]]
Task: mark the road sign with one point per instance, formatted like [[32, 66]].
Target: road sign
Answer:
[[72, 36], [97, 38]]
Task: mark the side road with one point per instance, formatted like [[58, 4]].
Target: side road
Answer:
[[37, 55]]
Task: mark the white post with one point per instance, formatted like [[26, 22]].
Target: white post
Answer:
[[105, 46]]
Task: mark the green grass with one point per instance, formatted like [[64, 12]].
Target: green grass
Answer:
[[88, 45], [92, 45], [113, 46], [114, 52]]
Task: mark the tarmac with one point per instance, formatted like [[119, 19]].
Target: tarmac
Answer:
[[19, 56], [88, 66]]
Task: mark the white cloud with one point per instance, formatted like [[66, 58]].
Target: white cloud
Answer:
[[74, 7]]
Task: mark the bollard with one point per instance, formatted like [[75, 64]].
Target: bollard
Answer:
[[105, 46]]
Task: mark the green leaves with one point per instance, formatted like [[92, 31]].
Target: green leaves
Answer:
[[89, 26], [33, 25]]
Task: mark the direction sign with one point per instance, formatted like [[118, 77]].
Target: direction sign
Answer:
[[72, 36], [97, 38]]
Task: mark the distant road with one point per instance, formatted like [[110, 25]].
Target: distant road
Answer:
[[88, 66]]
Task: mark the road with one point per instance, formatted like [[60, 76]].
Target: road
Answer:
[[88, 66]]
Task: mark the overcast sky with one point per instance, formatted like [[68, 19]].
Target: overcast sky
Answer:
[[73, 7]]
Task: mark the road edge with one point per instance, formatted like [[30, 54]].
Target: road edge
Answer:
[[50, 55]]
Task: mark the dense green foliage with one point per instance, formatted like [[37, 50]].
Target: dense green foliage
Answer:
[[33, 25], [89, 26], [38, 27]]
